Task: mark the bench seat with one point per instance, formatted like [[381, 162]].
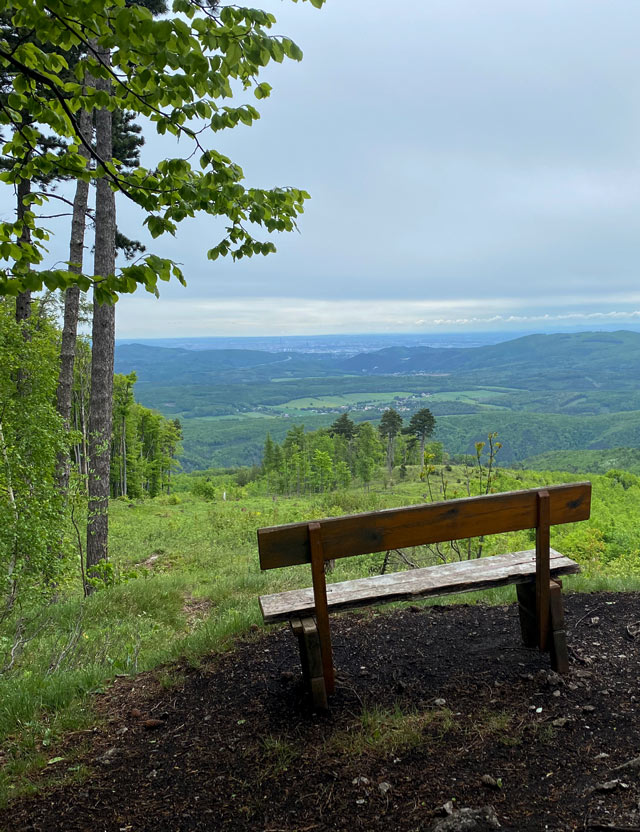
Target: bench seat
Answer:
[[431, 581]]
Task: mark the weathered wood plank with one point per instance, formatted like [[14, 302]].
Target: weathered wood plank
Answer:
[[445, 579], [558, 636], [311, 659], [417, 525]]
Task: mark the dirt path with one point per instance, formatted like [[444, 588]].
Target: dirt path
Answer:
[[454, 710]]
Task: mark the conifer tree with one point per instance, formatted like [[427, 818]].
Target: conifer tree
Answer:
[[421, 425], [343, 426]]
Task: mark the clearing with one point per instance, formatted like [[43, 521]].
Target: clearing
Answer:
[[433, 704]]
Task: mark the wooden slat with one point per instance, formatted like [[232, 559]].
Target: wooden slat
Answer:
[[464, 576], [398, 528], [558, 636]]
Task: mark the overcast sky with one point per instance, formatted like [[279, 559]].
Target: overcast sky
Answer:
[[471, 164]]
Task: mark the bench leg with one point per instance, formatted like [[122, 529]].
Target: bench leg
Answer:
[[558, 640], [557, 643], [306, 631], [527, 612]]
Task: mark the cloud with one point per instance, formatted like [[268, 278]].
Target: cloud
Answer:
[[146, 317], [464, 154]]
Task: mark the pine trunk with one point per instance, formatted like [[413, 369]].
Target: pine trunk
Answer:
[[102, 352], [72, 303]]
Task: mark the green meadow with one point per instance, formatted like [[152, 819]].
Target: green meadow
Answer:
[[186, 581]]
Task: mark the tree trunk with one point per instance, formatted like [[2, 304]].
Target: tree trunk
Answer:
[[23, 300], [102, 352], [72, 303], [390, 443], [124, 456]]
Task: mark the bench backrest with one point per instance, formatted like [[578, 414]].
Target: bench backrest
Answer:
[[397, 528]]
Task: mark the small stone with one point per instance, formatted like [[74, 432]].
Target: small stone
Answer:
[[135, 713], [557, 693], [440, 702], [602, 756], [467, 819], [488, 780], [633, 764], [107, 758], [561, 721], [384, 787], [588, 708], [360, 801], [609, 786], [360, 781]]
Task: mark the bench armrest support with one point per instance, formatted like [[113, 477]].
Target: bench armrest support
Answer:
[[543, 575], [320, 599]]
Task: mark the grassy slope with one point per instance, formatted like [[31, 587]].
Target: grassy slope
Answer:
[[191, 580]]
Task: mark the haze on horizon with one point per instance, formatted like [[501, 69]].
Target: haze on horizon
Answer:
[[471, 166]]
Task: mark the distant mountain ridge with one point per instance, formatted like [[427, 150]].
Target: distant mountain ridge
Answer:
[[577, 361], [580, 349]]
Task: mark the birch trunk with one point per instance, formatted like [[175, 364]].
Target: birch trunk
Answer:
[[23, 300]]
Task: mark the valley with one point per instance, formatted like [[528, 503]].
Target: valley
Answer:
[[541, 393]]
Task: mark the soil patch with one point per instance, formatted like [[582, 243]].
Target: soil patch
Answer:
[[435, 707]]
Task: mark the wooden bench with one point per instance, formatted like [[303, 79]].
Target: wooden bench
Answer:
[[534, 572]]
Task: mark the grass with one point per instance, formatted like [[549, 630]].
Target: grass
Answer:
[[188, 579], [279, 756], [381, 731]]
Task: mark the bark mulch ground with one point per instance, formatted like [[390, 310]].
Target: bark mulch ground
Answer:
[[437, 709]]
